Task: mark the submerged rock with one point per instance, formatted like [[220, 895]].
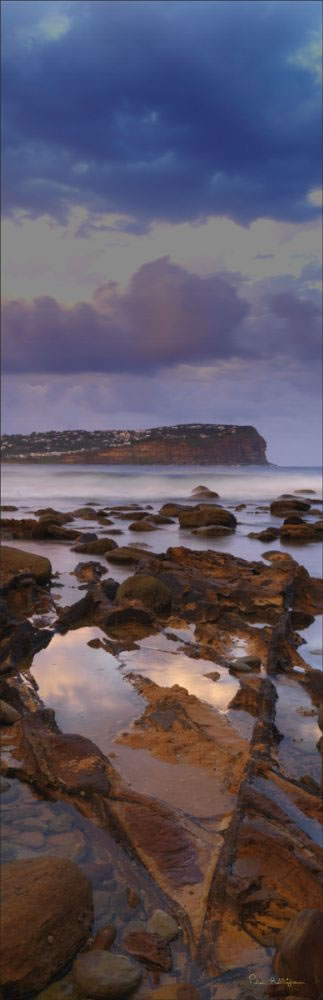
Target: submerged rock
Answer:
[[103, 974], [162, 924], [149, 948], [42, 926], [204, 491], [300, 955]]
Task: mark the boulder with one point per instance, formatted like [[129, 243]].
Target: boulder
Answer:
[[204, 491], [96, 548], [162, 924], [146, 589], [42, 926], [213, 531], [302, 532], [126, 554], [47, 528], [103, 974], [268, 535], [142, 525], [300, 954], [204, 515], [283, 507], [15, 561]]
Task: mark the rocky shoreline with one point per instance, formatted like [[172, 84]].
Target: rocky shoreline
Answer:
[[204, 880]]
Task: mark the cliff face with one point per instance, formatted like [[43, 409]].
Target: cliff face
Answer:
[[185, 444]]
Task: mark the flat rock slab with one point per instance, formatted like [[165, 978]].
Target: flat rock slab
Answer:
[[149, 948]]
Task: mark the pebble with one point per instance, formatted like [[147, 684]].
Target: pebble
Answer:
[[164, 925]]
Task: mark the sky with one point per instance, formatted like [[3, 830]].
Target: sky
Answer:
[[161, 217]]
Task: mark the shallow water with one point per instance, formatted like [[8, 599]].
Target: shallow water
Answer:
[[85, 687]]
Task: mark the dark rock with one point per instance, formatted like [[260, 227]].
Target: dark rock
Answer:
[[76, 613], [268, 535], [105, 938], [8, 715], [109, 588], [285, 506], [89, 572], [149, 948], [300, 954], [126, 554], [204, 491], [42, 927], [143, 525], [213, 531], [206, 514], [146, 589], [15, 561], [96, 548]]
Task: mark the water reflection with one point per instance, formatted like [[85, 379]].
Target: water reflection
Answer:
[[167, 669], [297, 751], [85, 687]]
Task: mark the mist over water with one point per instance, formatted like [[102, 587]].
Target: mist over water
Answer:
[[33, 483]]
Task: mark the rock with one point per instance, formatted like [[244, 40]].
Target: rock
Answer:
[[175, 991], [34, 908], [213, 531], [294, 519], [312, 492], [283, 507], [302, 532], [149, 948], [300, 953], [142, 525], [15, 561], [109, 588], [103, 974], [245, 664], [131, 614], [133, 899], [105, 938], [268, 535], [173, 509], [146, 589], [4, 785], [126, 554], [203, 491], [47, 528], [251, 694], [8, 715], [213, 675], [74, 614], [206, 514], [96, 548], [162, 924], [89, 572]]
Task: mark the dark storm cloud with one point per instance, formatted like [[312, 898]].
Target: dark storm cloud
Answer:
[[159, 109], [167, 317]]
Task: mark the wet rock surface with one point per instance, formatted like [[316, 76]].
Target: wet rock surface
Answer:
[[225, 843], [103, 974], [42, 927]]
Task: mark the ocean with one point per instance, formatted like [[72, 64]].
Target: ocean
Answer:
[[29, 486]]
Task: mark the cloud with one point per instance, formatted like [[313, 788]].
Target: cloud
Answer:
[[169, 110], [167, 316]]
